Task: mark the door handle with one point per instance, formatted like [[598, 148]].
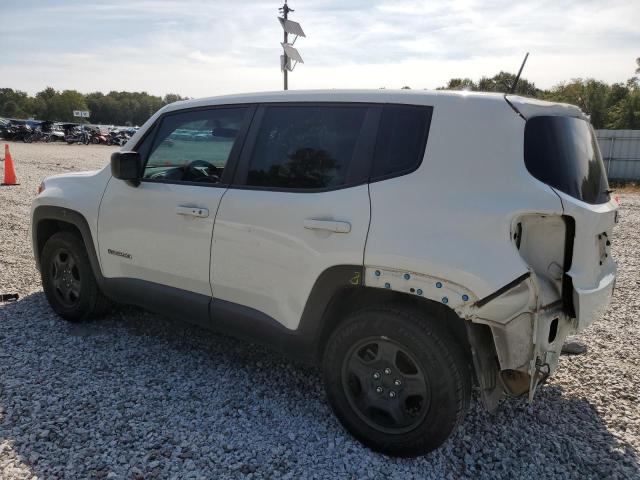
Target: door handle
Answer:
[[328, 225], [192, 211]]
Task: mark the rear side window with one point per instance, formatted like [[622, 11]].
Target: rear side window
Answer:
[[402, 137], [305, 147], [563, 153]]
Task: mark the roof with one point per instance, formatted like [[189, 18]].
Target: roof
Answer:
[[418, 97]]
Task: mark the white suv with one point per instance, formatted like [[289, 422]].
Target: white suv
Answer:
[[412, 243]]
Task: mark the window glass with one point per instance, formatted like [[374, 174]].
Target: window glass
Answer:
[[194, 146], [402, 136], [563, 152], [305, 147]]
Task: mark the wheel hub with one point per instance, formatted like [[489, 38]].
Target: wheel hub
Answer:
[[385, 385], [65, 278]]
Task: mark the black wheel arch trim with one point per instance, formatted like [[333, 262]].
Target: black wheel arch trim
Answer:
[[72, 217]]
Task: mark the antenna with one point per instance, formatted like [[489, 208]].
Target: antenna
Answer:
[[515, 82]]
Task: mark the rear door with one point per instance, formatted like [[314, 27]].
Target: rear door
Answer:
[[160, 230], [299, 205]]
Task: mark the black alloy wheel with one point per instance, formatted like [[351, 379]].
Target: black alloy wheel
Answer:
[[385, 385], [66, 277]]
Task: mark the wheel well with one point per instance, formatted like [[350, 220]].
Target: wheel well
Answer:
[[46, 228], [349, 300]]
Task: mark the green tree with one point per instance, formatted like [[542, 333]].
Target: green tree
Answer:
[[460, 84], [14, 103], [588, 94]]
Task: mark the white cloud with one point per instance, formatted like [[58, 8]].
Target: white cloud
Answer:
[[201, 48]]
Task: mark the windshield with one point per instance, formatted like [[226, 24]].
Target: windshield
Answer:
[[563, 153]]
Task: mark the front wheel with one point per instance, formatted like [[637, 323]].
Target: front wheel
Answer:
[[68, 280], [397, 382]]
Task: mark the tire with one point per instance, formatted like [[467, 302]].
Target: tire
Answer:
[[405, 403], [68, 279]]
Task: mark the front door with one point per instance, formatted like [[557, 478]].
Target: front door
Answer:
[[160, 231]]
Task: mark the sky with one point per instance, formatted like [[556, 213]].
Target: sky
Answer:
[[205, 48]]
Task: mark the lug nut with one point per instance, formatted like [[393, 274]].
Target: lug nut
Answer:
[[392, 394], [397, 382], [376, 375], [379, 389], [387, 371]]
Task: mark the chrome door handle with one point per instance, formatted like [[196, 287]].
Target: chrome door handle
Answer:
[[328, 225], [192, 211]]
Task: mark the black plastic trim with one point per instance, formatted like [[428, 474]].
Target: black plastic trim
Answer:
[[482, 302], [170, 301], [48, 212], [567, 281], [304, 343]]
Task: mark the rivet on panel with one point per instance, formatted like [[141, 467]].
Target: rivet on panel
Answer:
[[438, 284], [419, 291], [445, 300], [407, 276], [465, 297], [387, 285], [377, 273]]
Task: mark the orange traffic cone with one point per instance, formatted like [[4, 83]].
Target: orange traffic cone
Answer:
[[9, 171]]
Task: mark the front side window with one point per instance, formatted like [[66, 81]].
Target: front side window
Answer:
[[305, 147], [194, 146], [563, 152]]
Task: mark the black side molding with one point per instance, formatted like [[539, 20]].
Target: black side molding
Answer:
[[500, 291]]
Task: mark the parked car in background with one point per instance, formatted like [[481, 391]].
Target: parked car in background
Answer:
[[413, 244]]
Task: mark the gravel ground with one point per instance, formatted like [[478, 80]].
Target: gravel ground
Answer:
[[137, 396]]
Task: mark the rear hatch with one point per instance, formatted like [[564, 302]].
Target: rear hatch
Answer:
[[560, 149]]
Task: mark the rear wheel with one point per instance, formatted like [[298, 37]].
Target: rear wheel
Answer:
[[396, 381], [68, 280]]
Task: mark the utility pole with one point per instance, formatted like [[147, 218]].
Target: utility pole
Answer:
[[285, 13], [290, 53]]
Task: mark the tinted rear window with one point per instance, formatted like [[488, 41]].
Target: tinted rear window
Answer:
[[305, 146], [401, 141], [563, 153]]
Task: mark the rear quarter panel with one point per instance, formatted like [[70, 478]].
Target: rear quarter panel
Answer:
[[451, 218]]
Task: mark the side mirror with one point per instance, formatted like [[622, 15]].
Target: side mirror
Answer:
[[126, 166]]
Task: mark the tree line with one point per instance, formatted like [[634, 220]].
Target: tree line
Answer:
[[114, 108], [614, 106]]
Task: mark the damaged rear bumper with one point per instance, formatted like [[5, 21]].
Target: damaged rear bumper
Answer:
[[528, 323]]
